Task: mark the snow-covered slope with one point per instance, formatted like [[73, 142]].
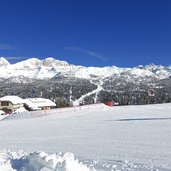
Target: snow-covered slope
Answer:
[[49, 67], [70, 84], [125, 138]]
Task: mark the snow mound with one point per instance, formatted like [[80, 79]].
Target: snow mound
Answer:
[[40, 161], [1, 112], [20, 110], [2, 115]]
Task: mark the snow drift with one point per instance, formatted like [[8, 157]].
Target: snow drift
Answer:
[[40, 161]]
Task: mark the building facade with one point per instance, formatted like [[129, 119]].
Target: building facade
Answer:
[[10, 104]]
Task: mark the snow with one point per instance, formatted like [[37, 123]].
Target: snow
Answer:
[[78, 101], [87, 72], [49, 67], [40, 161], [141, 72], [33, 103], [100, 137], [2, 115], [64, 111], [53, 62], [20, 110], [39, 102], [3, 62], [17, 79], [13, 99], [1, 112]]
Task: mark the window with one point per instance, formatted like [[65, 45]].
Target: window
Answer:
[[4, 103]]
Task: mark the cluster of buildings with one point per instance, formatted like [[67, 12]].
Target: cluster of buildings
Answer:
[[10, 104]]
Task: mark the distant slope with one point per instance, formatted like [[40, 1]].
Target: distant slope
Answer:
[[68, 84], [49, 67]]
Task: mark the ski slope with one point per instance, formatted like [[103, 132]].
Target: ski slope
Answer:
[[78, 101], [88, 138]]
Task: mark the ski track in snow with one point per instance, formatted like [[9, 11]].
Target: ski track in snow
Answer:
[[90, 138], [99, 88]]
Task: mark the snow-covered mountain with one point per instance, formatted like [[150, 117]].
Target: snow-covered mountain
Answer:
[[50, 67], [3, 62], [68, 84]]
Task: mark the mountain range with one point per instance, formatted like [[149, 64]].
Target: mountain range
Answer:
[[49, 67], [69, 84]]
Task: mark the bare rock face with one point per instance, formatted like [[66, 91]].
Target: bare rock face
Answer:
[[51, 62]]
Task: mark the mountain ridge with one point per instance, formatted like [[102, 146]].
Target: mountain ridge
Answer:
[[69, 85], [49, 67]]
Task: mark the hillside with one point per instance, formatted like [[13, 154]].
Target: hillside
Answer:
[[69, 85], [88, 138]]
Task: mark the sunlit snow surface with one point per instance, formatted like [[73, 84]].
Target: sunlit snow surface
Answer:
[[49, 67], [88, 138]]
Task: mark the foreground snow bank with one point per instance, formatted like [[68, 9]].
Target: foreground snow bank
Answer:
[[40, 161]]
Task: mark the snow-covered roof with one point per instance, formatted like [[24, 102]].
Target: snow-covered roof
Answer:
[[39, 102], [12, 99]]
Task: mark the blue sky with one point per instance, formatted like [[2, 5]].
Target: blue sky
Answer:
[[124, 33]]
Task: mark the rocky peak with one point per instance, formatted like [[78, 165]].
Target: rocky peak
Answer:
[[51, 62], [3, 62]]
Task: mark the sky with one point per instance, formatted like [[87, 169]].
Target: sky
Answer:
[[123, 33]]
